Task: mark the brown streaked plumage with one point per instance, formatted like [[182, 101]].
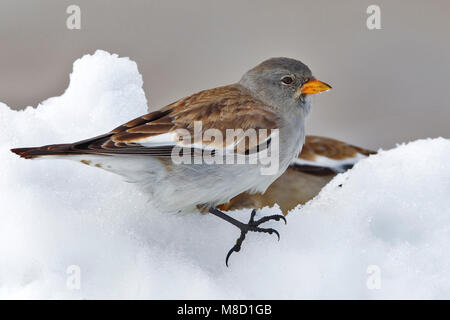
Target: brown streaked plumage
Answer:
[[334, 149], [228, 107], [301, 182]]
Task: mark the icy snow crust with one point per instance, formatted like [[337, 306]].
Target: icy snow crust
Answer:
[[391, 212]]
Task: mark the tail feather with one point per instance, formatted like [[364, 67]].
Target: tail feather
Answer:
[[64, 149], [50, 150]]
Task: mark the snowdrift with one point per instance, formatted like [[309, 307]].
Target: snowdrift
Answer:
[[381, 230]]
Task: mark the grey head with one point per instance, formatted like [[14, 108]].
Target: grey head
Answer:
[[282, 83]]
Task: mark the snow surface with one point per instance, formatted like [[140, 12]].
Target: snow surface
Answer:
[[392, 212]]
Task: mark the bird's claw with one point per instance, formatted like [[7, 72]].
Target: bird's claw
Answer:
[[252, 225], [276, 217], [234, 249], [269, 231]]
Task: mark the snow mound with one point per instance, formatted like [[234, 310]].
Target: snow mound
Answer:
[[381, 230]]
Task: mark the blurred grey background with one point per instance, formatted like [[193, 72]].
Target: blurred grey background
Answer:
[[389, 85]]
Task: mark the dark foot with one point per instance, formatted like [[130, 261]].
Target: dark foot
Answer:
[[252, 225]]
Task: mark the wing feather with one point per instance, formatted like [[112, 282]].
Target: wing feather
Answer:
[[325, 156], [156, 133]]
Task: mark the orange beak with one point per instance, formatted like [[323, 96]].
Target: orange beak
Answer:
[[313, 86]]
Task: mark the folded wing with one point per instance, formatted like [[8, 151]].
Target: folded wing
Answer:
[[324, 156], [157, 133]]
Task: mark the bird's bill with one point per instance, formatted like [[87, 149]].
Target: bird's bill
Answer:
[[314, 86]]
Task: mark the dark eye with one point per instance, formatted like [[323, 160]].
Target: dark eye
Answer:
[[287, 79]]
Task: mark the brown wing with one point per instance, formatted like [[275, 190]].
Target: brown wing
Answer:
[[342, 155], [331, 148], [228, 107]]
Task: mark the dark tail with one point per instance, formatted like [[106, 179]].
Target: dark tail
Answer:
[[65, 149], [50, 150]]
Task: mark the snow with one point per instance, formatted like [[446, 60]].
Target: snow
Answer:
[[391, 215]]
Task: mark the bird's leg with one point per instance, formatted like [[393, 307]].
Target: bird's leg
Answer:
[[252, 225]]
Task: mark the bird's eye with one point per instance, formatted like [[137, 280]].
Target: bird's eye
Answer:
[[287, 79]]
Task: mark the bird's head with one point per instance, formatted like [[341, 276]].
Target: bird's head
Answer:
[[282, 82]]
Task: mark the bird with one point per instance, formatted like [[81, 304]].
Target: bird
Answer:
[[320, 160], [165, 151]]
